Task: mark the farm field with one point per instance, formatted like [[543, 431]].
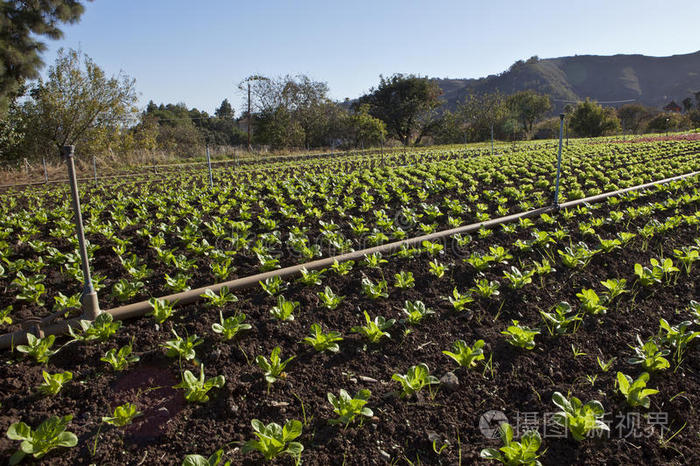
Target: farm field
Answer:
[[560, 305]]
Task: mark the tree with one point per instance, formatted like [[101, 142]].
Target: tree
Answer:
[[293, 107], [78, 105], [405, 103], [21, 21], [633, 115], [528, 107], [591, 120], [225, 110], [362, 129], [687, 104], [483, 112]]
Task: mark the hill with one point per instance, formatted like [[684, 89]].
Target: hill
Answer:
[[652, 81]]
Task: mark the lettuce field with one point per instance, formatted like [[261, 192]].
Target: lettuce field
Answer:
[[564, 336]]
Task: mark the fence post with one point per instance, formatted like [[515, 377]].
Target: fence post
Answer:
[[211, 178], [46, 171], [492, 140], [94, 167], [90, 304], [561, 136]]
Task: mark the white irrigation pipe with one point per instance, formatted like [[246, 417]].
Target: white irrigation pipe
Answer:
[[188, 297]]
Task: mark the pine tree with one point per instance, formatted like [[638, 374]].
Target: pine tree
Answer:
[[21, 22]]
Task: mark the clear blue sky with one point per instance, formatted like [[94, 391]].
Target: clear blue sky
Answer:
[[197, 51]]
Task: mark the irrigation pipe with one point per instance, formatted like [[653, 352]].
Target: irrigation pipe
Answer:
[[188, 297]]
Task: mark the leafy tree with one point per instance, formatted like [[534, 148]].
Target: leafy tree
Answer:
[[406, 104], [632, 116], [77, 105], [362, 129], [671, 121], [482, 112], [687, 104], [225, 110], [528, 107], [449, 129], [591, 120], [22, 23]]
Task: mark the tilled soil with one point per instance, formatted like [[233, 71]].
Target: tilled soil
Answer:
[[517, 382]]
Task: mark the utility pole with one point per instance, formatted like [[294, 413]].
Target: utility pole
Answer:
[[249, 147]]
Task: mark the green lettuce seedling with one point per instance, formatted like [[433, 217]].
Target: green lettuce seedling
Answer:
[[120, 359], [49, 435], [580, 419], [323, 341], [515, 453], [348, 408], [38, 348], [274, 440], [273, 368], [466, 356], [416, 378], [199, 460], [123, 415], [521, 336], [196, 389], [230, 326], [53, 383], [374, 330], [635, 391]]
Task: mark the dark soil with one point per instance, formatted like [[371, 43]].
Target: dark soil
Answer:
[[402, 430]]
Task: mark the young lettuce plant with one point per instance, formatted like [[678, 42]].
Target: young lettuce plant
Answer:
[[162, 309], [323, 341], [329, 299], [273, 285], [49, 435], [515, 453], [404, 280], [677, 336], [485, 288], [591, 302], [460, 301], [273, 369], [230, 326], [221, 299], [121, 358], [695, 311], [310, 278], [374, 291], [521, 336], [578, 418], [635, 391], [518, 279], [416, 311], [615, 288], [436, 268], [182, 347], [53, 383], [38, 348], [196, 389], [374, 330], [342, 268], [349, 408], [416, 378], [199, 460], [649, 355], [123, 415], [99, 329], [285, 309], [274, 440], [466, 356], [562, 317]]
